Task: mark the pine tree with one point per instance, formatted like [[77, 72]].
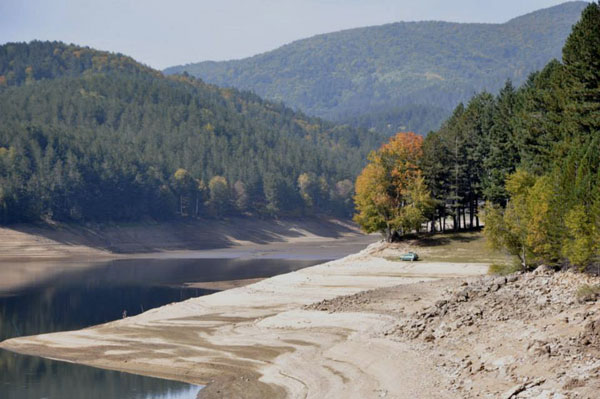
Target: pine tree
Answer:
[[541, 108], [503, 155], [581, 58]]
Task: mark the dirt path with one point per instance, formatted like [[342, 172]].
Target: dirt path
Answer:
[[264, 340]]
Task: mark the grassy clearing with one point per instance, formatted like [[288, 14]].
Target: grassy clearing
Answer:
[[463, 247]]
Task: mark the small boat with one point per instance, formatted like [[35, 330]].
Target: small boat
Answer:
[[410, 256]]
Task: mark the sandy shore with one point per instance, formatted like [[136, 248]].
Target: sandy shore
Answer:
[[263, 341], [94, 242]]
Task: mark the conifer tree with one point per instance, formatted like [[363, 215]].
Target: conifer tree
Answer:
[[581, 58], [503, 157]]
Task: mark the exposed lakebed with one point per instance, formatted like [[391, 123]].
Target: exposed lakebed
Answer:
[[73, 295]]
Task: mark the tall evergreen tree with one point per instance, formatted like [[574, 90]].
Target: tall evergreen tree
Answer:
[[503, 154], [581, 58]]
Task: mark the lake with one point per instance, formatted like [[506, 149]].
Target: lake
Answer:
[[71, 295]]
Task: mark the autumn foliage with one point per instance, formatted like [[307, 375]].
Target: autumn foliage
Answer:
[[391, 196]]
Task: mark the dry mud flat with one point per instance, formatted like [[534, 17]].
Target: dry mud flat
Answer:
[[361, 327], [258, 341]]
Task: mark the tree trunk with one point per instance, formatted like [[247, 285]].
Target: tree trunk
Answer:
[[471, 208], [523, 258], [389, 236]]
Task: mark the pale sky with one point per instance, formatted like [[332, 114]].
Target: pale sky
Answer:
[[163, 33]]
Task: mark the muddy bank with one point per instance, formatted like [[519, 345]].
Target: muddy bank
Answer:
[[262, 340], [364, 326], [61, 241]]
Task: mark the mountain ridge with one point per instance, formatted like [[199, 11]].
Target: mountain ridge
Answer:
[[345, 74]]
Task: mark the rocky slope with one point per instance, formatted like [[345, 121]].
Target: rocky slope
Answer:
[[522, 336]]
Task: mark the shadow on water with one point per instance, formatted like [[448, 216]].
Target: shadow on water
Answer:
[[99, 293]]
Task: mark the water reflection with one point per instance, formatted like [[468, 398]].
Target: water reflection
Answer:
[[79, 297], [27, 377]]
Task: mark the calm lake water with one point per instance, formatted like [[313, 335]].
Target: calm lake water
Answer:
[[83, 295]]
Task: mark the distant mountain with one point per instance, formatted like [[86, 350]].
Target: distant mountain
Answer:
[[350, 74], [90, 135]]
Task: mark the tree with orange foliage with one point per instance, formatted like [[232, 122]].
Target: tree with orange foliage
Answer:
[[391, 196]]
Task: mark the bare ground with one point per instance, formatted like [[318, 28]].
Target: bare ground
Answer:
[[60, 241], [360, 327], [258, 341], [521, 336]]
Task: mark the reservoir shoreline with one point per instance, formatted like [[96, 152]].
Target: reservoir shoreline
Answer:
[[250, 341], [365, 325], [57, 241]]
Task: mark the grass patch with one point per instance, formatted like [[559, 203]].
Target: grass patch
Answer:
[[461, 247], [588, 292], [502, 269]]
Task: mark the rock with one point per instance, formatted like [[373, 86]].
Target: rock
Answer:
[[542, 301], [464, 295], [441, 303], [514, 391], [499, 281], [543, 270], [573, 383], [479, 367]]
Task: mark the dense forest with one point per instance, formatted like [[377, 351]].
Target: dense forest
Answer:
[[93, 136], [350, 75], [532, 153]]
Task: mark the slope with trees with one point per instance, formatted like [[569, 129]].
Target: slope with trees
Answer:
[[88, 135], [532, 153], [407, 72]]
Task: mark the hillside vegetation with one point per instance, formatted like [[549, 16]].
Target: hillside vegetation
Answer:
[[89, 135], [532, 153], [383, 69]]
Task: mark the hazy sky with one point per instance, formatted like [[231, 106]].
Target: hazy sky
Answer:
[[162, 33]]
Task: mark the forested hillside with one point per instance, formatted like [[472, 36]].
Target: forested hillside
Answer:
[[89, 135], [532, 153], [381, 70]]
